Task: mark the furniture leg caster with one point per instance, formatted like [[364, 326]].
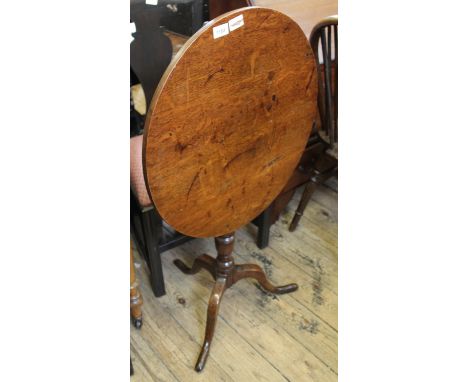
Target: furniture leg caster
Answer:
[[137, 322]]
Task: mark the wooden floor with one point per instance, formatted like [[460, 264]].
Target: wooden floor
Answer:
[[259, 337]]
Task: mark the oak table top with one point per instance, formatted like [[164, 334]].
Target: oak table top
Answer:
[[229, 121]]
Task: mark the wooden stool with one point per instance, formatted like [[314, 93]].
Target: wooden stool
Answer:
[[226, 127]]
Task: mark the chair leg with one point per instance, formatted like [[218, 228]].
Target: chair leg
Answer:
[[152, 226], [263, 235], [136, 300], [306, 195], [136, 226], [308, 191]]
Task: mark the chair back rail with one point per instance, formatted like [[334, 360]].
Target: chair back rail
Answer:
[[324, 42]]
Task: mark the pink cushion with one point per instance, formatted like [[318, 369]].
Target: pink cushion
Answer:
[[137, 179]]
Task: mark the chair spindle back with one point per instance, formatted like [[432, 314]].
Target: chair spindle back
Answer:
[[324, 42]]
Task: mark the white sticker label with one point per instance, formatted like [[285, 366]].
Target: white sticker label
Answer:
[[152, 2], [236, 22], [220, 30]]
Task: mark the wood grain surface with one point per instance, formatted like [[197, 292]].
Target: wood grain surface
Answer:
[[229, 121]]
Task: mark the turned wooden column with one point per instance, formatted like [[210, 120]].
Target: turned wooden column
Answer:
[[224, 261]]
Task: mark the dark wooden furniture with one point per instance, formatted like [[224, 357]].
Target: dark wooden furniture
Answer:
[[319, 161], [218, 7], [324, 42], [151, 235], [150, 54], [227, 126], [151, 50], [182, 16]]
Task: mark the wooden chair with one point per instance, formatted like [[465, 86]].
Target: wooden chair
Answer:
[[319, 160], [150, 54], [223, 138], [152, 236], [324, 42]]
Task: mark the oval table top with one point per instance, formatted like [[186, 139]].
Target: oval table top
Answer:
[[229, 121]]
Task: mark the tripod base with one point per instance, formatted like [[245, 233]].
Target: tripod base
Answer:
[[225, 273]]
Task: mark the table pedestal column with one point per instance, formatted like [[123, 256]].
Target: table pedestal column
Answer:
[[225, 273]]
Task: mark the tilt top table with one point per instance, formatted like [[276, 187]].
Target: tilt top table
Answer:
[[226, 127]]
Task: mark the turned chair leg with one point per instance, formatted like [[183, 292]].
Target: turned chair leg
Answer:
[[306, 195], [225, 273], [136, 300], [263, 234]]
